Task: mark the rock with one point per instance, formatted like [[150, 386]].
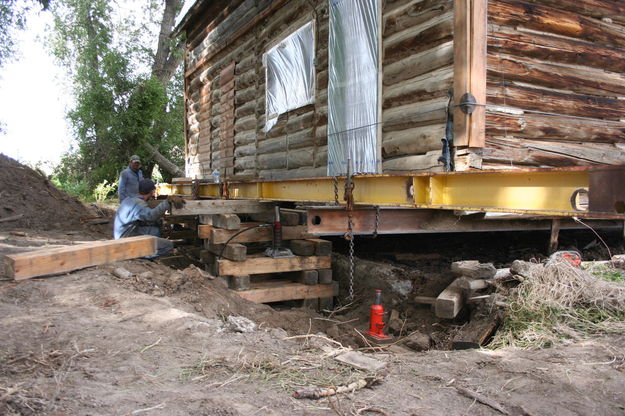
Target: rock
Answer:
[[524, 268], [333, 332], [241, 324], [473, 269], [418, 341]]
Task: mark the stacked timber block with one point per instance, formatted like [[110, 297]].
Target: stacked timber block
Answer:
[[234, 250]]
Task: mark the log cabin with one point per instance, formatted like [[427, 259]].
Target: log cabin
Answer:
[[281, 89]]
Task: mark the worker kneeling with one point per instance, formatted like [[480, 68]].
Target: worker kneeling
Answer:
[[134, 217]]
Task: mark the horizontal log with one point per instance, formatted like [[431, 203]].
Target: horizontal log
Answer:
[[537, 126], [298, 158], [413, 141], [420, 163], [582, 81], [432, 85], [554, 102], [420, 40], [417, 13], [599, 9], [419, 64], [517, 14], [516, 151], [555, 49], [306, 172], [259, 265], [271, 161], [415, 115]]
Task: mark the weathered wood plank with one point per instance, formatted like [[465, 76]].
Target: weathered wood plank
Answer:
[[599, 9], [413, 141], [566, 78], [234, 251], [417, 13], [470, 27], [219, 236], [64, 259], [555, 49], [421, 41], [517, 13], [259, 265], [222, 206], [265, 292], [449, 302], [507, 94], [538, 126]]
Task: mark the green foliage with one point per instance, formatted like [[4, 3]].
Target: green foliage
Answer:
[[119, 104], [12, 19], [103, 190]]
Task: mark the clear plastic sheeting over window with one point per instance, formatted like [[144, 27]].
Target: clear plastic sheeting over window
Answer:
[[353, 86], [290, 72]]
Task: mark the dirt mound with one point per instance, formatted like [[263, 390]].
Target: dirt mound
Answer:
[[29, 200]]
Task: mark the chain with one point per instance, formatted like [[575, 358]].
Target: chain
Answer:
[[349, 236], [195, 189], [335, 181], [377, 222]]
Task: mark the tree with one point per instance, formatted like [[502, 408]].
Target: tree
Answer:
[[13, 18], [127, 97]]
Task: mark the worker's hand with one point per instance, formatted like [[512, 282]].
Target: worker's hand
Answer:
[[176, 201]]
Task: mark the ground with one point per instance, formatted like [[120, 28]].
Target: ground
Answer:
[[174, 342], [91, 343]]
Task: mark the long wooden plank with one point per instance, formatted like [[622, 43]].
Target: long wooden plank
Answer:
[[221, 236], [222, 206], [258, 265], [64, 259], [264, 292]]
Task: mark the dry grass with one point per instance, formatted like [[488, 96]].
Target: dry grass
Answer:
[[557, 303]]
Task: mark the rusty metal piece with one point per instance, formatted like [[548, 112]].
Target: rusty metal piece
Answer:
[[606, 192]]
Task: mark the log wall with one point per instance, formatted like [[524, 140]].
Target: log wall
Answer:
[[555, 87], [555, 83], [417, 41], [417, 48]]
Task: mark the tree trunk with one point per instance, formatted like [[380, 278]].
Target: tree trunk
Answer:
[[166, 61], [163, 162]]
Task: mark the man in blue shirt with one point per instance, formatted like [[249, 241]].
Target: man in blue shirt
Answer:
[[129, 179], [134, 217]]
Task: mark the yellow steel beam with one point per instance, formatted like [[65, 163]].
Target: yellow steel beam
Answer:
[[540, 192]]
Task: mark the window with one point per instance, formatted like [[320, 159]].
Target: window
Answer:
[[290, 74]]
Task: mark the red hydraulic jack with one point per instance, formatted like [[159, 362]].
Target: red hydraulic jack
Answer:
[[376, 319]]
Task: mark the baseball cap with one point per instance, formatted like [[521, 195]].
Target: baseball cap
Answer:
[[145, 186], [135, 158]]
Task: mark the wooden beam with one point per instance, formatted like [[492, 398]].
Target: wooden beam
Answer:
[[264, 292], [554, 235], [219, 236], [470, 26], [258, 265], [222, 206], [450, 301], [64, 259], [235, 251]]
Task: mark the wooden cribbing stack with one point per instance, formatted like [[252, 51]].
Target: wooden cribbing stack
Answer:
[[234, 250]]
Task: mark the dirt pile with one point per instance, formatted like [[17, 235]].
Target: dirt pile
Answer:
[[29, 200]]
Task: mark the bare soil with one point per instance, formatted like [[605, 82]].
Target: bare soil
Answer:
[[163, 342], [160, 343]]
